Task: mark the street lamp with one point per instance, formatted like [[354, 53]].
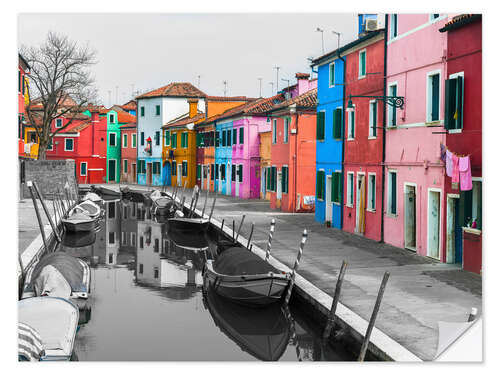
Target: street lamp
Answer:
[[393, 101], [338, 38], [322, 42]]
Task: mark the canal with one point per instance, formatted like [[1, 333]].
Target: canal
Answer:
[[148, 302]]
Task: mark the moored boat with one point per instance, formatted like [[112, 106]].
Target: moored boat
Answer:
[[243, 277], [106, 192], [93, 197], [189, 240], [88, 208], [164, 206], [79, 222], [187, 224], [75, 239]]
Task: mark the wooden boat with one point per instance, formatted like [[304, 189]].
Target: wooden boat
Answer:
[[77, 239], [106, 192], [135, 195], [189, 240], [88, 208], [188, 225], [264, 333], [55, 322], [79, 222], [243, 277], [93, 197], [164, 206]]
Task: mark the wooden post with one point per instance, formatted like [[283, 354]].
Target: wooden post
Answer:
[[331, 317], [368, 333], [204, 205], [212, 210], [54, 209], [270, 239], [39, 218], [296, 266], [47, 213], [472, 315], [250, 236], [197, 195], [239, 228]]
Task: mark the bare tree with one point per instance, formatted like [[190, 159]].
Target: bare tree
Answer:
[[62, 85]]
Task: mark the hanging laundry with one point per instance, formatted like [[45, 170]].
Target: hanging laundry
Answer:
[[465, 173], [449, 164], [442, 154], [455, 176]]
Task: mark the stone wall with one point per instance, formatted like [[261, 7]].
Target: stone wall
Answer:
[[49, 175]]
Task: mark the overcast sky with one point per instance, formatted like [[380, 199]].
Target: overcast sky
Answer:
[[151, 50]]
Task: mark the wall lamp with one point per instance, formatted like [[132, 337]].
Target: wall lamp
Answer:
[[393, 101]]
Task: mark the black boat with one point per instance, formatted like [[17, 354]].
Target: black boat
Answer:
[[106, 192], [189, 240], [164, 206], [243, 277], [134, 195], [188, 225], [72, 239], [79, 222]]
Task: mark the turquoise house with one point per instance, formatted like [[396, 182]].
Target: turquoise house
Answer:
[[115, 119], [223, 156]]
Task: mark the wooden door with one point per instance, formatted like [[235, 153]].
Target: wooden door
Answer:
[[433, 220], [149, 173], [410, 218]]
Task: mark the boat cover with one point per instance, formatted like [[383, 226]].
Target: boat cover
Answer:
[[50, 282], [162, 201], [30, 347], [69, 267], [90, 207], [78, 218], [93, 197], [189, 239], [240, 261], [155, 194]]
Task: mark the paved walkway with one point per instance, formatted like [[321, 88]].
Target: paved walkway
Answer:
[[27, 222], [420, 292]]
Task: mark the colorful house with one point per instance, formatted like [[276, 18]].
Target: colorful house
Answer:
[[414, 204], [463, 127], [115, 120], [157, 108], [293, 151], [265, 158], [128, 153], [27, 137]]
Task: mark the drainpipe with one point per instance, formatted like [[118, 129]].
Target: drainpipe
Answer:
[[384, 119], [342, 137], [295, 161]]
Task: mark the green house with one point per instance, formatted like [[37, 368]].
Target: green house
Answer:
[[113, 149]]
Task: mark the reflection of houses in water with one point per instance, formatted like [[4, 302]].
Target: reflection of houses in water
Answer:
[[128, 239], [108, 238]]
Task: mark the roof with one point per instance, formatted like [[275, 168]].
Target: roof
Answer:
[[229, 98], [184, 120], [129, 125], [130, 105], [76, 128], [67, 101], [307, 100], [23, 60], [125, 117], [175, 89], [459, 21], [344, 48]]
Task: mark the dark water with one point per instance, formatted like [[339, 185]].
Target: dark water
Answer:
[[148, 302]]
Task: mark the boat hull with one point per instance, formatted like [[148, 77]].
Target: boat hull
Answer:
[[188, 225], [79, 227]]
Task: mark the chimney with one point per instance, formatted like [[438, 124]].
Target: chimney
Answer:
[[302, 82], [193, 107]]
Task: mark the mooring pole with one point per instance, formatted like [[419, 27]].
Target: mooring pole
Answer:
[[213, 206], [368, 333], [39, 218], [331, 317], [222, 226], [47, 213], [182, 203], [250, 236], [293, 332], [296, 266], [54, 209], [239, 228], [204, 205], [197, 195], [270, 239]]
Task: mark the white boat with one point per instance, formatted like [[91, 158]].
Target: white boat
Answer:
[[54, 320], [88, 208]]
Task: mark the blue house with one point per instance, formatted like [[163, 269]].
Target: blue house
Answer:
[[329, 139], [223, 156]]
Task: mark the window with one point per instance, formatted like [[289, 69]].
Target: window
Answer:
[[112, 139], [68, 144], [350, 189], [228, 137], [110, 258], [19, 78], [141, 242], [233, 172], [331, 80], [111, 238], [125, 140], [156, 272], [112, 118], [286, 129], [174, 168], [124, 237], [284, 179], [49, 146], [372, 191], [173, 140], [142, 166], [198, 171], [156, 248], [362, 64], [235, 136], [351, 123], [391, 192], [217, 139], [111, 210], [394, 26], [272, 176], [157, 138], [320, 185], [141, 266], [391, 116], [337, 123], [23, 84], [336, 186], [156, 167], [184, 168], [434, 16], [142, 111], [157, 113], [320, 126], [83, 168], [454, 101], [167, 138], [372, 132], [133, 239], [184, 140], [433, 96], [242, 135], [59, 122], [212, 171], [142, 138], [274, 130], [125, 213], [240, 173], [223, 172]]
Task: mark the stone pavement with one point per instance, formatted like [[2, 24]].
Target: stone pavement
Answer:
[[27, 222], [420, 291]]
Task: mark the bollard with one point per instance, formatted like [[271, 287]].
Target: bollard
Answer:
[[250, 236], [239, 228], [47, 213], [368, 333], [39, 218], [472, 315], [331, 317], [296, 266], [204, 205], [213, 205], [270, 239]]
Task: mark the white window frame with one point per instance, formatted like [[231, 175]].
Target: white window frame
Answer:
[[286, 129], [349, 123], [86, 168], [359, 63], [393, 32], [182, 168], [134, 137], [390, 108], [389, 193], [428, 107], [125, 140], [451, 76], [372, 104], [109, 144], [330, 85], [274, 131], [72, 144], [187, 139], [56, 120], [368, 200], [349, 202]]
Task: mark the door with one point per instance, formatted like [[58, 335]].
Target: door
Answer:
[[220, 178], [179, 174], [134, 172], [279, 192], [453, 231], [328, 200], [203, 175], [208, 177], [237, 181], [149, 173], [228, 179], [167, 174], [360, 203], [433, 220], [410, 218], [111, 170]]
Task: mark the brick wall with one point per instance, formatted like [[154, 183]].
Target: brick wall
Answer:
[[49, 175]]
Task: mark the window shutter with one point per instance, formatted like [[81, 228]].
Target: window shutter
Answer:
[[449, 103], [320, 126], [335, 187], [459, 122], [337, 124], [241, 135]]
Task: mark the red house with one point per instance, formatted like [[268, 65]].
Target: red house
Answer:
[[463, 127], [129, 153], [363, 149], [83, 141]]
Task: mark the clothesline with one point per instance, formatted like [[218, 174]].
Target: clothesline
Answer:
[[460, 155]]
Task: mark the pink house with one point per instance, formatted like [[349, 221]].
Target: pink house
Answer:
[[415, 202]]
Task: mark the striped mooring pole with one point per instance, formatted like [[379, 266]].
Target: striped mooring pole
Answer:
[[270, 239], [296, 266]]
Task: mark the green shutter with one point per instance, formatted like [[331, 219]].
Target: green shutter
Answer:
[[320, 126], [320, 184], [268, 180], [459, 103], [337, 123], [336, 187], [241, 135], [198, 171]]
